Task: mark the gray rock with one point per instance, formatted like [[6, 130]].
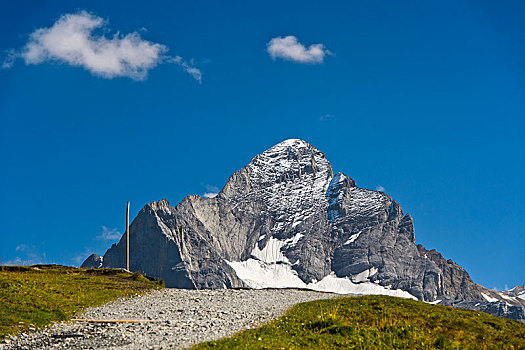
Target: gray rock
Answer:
[[497, 308], [518, 292], [93, 261], [286, 213]]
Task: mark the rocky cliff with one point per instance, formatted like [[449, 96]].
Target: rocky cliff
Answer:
[[286, 220], [93, 261]]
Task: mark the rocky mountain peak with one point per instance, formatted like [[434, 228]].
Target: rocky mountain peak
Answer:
[[162, 206], [289, 160], [93, 261], [286, 221], [289, 176], [289, 183], [163, 203], [518, 291]]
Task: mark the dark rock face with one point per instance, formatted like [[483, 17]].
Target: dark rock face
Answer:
[[93, 261], [285, 220], [457, 283], [460, 291], [159, 240]]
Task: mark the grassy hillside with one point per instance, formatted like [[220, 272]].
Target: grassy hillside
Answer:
[[378, 322], [32, 297]]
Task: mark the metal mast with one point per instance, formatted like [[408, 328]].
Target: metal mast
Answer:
[[127, 237]]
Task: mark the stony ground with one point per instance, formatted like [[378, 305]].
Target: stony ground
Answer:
[[169, 319]]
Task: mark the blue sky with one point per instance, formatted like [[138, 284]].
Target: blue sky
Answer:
[[424, 99]]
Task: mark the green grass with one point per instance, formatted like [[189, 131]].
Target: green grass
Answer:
[[378, 322], [35, 296]]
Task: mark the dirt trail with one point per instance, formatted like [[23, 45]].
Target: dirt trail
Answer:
[[165, 319]]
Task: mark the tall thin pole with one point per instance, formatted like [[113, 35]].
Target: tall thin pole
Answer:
[[127, 237]]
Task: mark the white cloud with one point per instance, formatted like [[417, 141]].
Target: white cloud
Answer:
[[188, 68], [289, 48], [380, 188], [211, 188], [109, 235], [73, 40], [79, 258], [10, 58], [326, 117], [28, 254], [212, 191]]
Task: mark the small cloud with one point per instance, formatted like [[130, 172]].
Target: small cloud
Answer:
[[380, 188], [16, 261], [28, 254], [188, 68], [79, 258], [326, 117], [289, 48], [212, 191], [73, 39], [504, 289], [108, 235], [211, 188], [10, 57]]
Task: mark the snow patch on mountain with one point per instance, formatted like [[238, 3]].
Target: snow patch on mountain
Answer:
[[352, 238], [291, 242], [518, 292], [364, 275], [271, 253], [505, 296], [489, 298], [258, 275]]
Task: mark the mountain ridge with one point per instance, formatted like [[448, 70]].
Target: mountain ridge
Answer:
[[285, 220]]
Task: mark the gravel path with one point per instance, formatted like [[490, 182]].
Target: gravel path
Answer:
[[174, 319]]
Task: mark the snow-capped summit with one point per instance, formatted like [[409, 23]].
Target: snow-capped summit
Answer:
[[290, 161], [517, 292], [286, 221]]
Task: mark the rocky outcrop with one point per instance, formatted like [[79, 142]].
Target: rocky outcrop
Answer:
[[517, 292], [164, 246], [93, 261], [457, 283], [460, 291], [497, 308], [285, 220]]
